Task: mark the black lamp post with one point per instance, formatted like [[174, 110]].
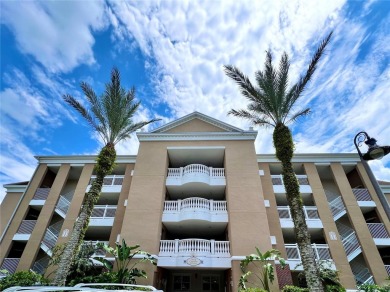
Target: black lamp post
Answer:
[[374, 152]]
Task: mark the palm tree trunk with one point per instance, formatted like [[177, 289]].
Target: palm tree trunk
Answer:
[[104, 166], [284, 152]]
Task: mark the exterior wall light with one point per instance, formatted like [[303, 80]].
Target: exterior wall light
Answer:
[[374, 152]]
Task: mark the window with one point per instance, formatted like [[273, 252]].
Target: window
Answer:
[[181, 283], [210, 283]]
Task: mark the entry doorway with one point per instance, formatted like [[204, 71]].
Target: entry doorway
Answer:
[[196, 281]]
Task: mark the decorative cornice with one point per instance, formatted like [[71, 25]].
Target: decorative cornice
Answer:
[[197, 136], [344, 158], [15, 188], [200, 116], [81, 159]]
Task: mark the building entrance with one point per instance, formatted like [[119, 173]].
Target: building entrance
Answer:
[[196, 281]]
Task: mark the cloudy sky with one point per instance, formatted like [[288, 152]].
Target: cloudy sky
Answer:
[[173, 52]]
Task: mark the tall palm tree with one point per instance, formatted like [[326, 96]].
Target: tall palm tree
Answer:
[[271, 103], [110, 115]]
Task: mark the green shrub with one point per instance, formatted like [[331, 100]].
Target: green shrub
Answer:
[[334, 288], [373, 288], [22, 278], [290, 288], [252, 290]]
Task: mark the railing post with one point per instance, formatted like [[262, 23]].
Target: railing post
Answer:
[[178, 205], [211, 171], [211, 205], [176, 246], [289, 213], [181, 172], [314, 246], [212, 246]]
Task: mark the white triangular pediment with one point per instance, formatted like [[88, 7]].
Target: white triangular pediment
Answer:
[[196, 122]]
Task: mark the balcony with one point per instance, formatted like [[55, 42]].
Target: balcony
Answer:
[[363, 198], [321, 252], [9, 264], [387, 267], [25, 229], [111, 183], [193, 252], [379, 234], [311, 216], [195, 209], [103, 215], [40, 197], [196, 178], [304, 186]]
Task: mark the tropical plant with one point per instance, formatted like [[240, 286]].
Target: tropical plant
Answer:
[[111, 117], [329, 277], [124, 257], [262, 268], [22, 278], [290, 288], [373, 288], [271, 104]]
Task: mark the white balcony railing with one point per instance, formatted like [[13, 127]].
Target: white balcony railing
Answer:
[[26, 227], [278, 179], [350, 243], [103, 211], [51, 235], [361, 273], [63, 205], [195, 204], [337, 207], [321, 252], [194, 247], [378, 230], [41, 194], [196, 172], [110, 180], [311, 213], [41, 265]]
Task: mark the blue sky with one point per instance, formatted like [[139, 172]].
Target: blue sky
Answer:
[[173, 53]]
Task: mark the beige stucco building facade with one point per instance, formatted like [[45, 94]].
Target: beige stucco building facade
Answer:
[[199, 198]]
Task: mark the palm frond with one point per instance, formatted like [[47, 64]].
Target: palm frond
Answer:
[[296, 115], [243, 82], [111, 114], [299, 87], [95, 106], [254, 118], [126, 132]]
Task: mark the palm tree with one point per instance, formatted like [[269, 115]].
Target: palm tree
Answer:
[[110, 115], [271, 103]]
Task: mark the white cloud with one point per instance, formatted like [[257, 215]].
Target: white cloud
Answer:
[[56, 34]]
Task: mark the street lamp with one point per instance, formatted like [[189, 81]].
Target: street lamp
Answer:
[[374, 152]]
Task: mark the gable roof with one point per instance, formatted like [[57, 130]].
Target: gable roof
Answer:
[[197, 115]]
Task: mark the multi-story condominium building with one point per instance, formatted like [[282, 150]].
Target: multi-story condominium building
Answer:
[[199, 198]]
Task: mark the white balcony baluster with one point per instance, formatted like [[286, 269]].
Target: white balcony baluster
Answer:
[[191, 246], [196, 172]]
